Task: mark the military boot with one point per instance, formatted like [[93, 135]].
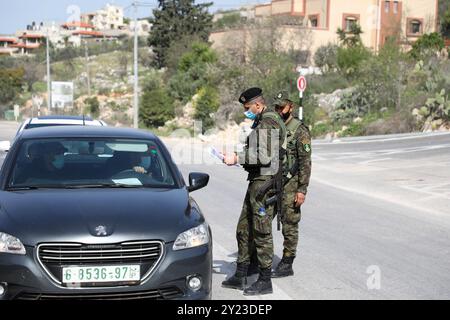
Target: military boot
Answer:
[[284, 268], [262, 286], [239, 279]]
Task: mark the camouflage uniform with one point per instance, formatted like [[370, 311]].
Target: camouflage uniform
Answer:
[[298, 147], [254, 231]]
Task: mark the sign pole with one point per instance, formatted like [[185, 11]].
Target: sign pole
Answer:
[[301, 85], [301, 106]]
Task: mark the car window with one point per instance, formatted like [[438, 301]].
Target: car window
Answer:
[[73, 163]]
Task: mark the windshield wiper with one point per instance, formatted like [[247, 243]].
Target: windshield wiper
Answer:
[[101, 186], [37, 187]]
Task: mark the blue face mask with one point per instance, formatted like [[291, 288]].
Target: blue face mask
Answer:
[[146, 162], [58, 163], [250, 115]]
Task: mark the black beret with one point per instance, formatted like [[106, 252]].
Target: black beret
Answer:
[[250, 94]]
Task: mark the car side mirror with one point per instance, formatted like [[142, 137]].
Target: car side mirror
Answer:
[[197, 181], [5, 146]]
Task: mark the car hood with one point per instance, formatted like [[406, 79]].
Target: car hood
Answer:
[[76, 215]]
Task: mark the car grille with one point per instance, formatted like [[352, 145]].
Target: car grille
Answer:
[[54, 257], [160, 294]]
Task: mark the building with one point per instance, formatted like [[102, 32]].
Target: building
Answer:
[[109, 18], [407, 20], [28, 43], [144, 28], [6, 43]]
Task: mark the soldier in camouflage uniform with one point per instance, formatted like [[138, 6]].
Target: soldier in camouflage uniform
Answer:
[[298, 149], [261, 159]]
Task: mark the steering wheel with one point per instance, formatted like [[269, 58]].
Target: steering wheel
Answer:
[[127, 174]]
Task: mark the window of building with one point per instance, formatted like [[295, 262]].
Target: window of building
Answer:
[[395, 7], [350, 22], [314, 21], [387, 5], [415, 27]]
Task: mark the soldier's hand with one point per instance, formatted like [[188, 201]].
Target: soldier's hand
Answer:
[[299, 199], [230, 159]]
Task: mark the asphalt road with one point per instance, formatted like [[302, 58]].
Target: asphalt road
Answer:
[[376, 224]]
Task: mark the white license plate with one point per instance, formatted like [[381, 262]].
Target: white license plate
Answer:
[[101, 274]]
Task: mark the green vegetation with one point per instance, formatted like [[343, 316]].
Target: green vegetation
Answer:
[[92, 106], [175, 19]]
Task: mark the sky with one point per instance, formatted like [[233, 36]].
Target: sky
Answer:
[[17, 14]]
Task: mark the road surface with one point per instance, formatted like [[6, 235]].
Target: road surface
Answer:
[[376, 224]]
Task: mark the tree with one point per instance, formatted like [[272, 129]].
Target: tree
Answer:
[[156, 108], [196, 69], [11, 82], [427, 45], [351, 38], [326, 57], [174, 19], [206, 105]]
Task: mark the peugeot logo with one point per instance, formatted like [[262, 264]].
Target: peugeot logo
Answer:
[[101, 231]]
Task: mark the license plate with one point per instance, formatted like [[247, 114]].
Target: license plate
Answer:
[[101, 274]]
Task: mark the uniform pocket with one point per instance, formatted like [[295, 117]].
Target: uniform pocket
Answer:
[[263, 224]]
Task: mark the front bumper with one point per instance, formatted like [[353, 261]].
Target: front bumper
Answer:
[[24, 278]]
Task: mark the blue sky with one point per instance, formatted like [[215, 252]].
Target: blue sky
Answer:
[[16, 14]]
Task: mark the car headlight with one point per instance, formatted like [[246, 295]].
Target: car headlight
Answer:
[[10, 244], [192, 238]]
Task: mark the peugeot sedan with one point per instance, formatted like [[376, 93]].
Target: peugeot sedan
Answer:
[[100, 213]]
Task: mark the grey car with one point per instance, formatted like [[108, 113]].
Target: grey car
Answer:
[[100, 213]]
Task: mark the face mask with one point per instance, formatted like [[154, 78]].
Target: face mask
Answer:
[[250, 115], [285, 116], [146, 162], [58, 163]]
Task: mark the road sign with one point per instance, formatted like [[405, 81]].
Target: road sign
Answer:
[[302, 84]]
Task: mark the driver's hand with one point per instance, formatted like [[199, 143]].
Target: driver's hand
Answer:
[[140, 170]]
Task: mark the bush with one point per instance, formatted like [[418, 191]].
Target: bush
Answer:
[[229, 20], [39, 87], [349, 60], [327, 83], [206, 105], [156, 108], [326, 57], [92, 106], [427, 45]]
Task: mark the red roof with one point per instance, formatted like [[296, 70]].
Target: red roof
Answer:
[[31, 36], [78, 24], [12, 40], [88, 33]]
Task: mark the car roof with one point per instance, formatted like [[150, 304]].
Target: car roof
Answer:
[[86, 132], [62, 121], [63, 117]]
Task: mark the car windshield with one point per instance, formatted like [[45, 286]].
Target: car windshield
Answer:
[[90, 163]]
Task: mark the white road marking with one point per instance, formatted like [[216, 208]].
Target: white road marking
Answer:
[[220, 253], [419, 136]]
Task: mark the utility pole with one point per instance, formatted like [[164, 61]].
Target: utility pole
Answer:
[[136, 70], [49, 82], [87, 68]]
